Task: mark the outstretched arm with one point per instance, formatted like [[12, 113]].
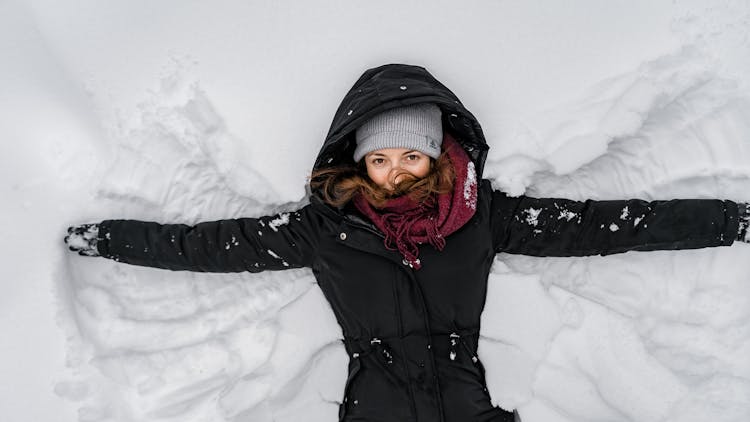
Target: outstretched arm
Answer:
[[562, 227], [282, 241]]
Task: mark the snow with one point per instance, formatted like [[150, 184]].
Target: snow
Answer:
[[532, 216], [567, 215], [182, 112], [470, 193], [281, 220]]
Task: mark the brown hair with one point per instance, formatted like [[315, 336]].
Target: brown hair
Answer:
[[338, 185]]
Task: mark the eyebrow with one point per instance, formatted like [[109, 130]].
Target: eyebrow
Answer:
[[383, 155]]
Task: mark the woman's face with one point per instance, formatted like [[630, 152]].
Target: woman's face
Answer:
[[388, 166]]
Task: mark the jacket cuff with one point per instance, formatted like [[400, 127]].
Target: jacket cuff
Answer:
[[743, 220]]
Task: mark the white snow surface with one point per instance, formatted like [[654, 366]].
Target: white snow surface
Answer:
[[189, 111]]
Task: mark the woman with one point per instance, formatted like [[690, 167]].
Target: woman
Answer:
[[401, 232]]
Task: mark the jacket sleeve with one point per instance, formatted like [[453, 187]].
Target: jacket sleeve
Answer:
[[278, 242], [562, 227]]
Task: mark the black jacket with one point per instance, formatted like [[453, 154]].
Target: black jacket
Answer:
[[412, 334]]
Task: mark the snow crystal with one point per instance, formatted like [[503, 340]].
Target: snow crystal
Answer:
[[403, 87], [638, 220], [614, 227], [452, 355], [273, 254], [281, 220], [625, 213], [471, 181], [532, 216], [232, 242], [349, 113], [566, 214]]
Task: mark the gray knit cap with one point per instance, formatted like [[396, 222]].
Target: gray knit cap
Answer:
[[417, 127]]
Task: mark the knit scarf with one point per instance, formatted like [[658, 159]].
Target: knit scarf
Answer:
[[407, 223]]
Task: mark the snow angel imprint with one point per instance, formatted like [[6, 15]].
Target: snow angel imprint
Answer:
[[400, 233]]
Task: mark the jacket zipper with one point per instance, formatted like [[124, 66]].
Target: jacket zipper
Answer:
[[429, 337], [400, 334], [412, 401]]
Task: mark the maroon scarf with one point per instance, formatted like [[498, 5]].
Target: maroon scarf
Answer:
[[406, 223]]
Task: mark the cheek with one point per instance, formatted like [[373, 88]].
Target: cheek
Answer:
[[422, 169], [377, 175]]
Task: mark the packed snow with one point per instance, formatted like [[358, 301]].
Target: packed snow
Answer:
[[183, 112]]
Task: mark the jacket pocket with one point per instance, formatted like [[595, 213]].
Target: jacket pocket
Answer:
[[353, 371]]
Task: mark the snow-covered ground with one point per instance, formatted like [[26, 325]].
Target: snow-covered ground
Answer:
[[180, 111]]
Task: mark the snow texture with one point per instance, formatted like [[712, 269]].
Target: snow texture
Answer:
[[470, 193], [281, 220], [183, 112]]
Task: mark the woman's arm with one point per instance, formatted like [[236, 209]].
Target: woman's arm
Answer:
[[282, 241], [562, 227]]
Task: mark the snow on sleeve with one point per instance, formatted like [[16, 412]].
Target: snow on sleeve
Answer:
[[532, 216], [281, 220], [275, 255], [232, 242], [566, 213]]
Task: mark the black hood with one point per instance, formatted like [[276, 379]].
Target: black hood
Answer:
[[396, 85]]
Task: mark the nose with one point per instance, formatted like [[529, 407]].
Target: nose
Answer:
[[398, 175]]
